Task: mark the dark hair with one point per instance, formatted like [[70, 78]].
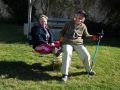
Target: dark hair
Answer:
[[82, 12]]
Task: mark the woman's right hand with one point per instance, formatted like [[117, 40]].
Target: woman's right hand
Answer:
[[93, 37]]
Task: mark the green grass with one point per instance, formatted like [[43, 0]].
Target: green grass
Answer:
[[21, 69]]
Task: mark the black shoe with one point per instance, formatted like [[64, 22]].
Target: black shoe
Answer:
[[91, 73]]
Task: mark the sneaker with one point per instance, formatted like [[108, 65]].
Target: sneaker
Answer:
[[91, 73], [64, 77], [57, 51]]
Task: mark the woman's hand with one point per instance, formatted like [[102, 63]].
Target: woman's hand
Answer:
[[93, 37], [52, 44]]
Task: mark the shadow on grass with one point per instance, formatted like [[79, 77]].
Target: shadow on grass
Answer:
[[11, 34], [23, 71], [12, 38], [78, 73]]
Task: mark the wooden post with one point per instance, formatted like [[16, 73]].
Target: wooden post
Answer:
[[29, 16]]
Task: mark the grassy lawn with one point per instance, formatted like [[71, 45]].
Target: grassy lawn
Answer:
[[21, 69]]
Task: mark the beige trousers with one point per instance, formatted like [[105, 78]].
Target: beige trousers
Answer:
[[67, 54]]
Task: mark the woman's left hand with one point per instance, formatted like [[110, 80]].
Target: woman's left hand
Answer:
[[52, 44]]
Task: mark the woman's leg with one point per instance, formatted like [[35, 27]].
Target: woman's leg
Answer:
[[84, 55], [43, 48], [67, 53]]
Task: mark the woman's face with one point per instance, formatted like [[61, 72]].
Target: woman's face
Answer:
[[43, 22], [79, 19]]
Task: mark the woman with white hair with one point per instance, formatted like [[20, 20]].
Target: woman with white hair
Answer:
[[42, 37]]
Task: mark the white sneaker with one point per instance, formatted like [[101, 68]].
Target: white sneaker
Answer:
[[57, 51], [64, 77]]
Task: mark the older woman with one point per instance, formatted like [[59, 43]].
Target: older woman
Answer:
[[42, 37]]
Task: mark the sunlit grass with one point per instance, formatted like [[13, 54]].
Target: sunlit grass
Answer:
[[21, 69]]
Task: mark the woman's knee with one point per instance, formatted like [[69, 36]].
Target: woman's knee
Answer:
[[67, 50]]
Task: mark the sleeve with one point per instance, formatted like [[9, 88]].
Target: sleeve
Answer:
[[36, 35], [85, 33], [62, 33]]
